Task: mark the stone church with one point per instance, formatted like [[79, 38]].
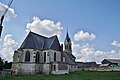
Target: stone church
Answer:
[[43, 55]]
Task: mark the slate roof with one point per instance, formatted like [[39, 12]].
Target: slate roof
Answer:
[[71, 55], [89, 64], [68, 59], [36, 41], [112, 60]]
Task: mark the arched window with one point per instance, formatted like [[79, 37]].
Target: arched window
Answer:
[[44, 56], [37, 58], [27, 56], [54, 56]]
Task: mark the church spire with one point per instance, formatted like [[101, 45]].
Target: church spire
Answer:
[[67, 36], [67, 43]]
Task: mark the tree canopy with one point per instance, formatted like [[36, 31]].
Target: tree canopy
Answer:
[[5, 64]]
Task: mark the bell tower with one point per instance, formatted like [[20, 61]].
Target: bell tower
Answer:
[[68, 44]]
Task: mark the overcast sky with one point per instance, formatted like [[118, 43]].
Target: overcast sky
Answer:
[[93, 26]]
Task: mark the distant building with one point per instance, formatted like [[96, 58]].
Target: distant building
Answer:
[[80, 64], [86, 64], [40, 54], [90, 64], [111, 62]]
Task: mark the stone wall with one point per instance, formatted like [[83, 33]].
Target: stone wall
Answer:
[[14, 68], [72, 68], [108, 68], [22, 67], [46, 69], [50, 55], [26, 69], [39, 68], [57, 71]]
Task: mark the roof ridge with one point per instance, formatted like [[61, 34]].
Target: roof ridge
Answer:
[[26, 39], [42, 35], [53, 36], [38, 34]]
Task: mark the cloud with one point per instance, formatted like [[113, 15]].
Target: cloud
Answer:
[[44, 27], [87, 53], [84, 36], [8, 45], [10, 13], [115, 43]]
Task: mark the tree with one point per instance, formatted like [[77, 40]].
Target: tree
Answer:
[[1, 63], [5, 65]]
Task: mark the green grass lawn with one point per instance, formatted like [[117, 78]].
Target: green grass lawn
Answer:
[[71, 76]]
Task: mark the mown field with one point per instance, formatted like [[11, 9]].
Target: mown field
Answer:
[[71, 76]]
